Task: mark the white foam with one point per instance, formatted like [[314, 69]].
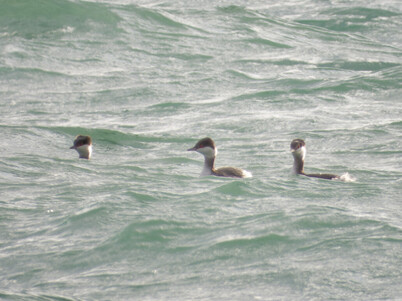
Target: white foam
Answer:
[[67, 29], [247, 174], [346, 177]]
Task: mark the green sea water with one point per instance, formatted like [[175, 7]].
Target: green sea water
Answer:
[[148, 79]]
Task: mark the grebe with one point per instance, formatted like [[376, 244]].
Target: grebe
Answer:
[[298, 149], [206, 147], [83, 145]]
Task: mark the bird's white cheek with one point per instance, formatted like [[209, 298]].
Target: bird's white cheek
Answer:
[[85, 150], [303, 152], [208, 152]]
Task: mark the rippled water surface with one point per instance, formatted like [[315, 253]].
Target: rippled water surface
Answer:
[[146, 80]]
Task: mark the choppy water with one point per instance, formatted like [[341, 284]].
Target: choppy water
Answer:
[[147, 79]]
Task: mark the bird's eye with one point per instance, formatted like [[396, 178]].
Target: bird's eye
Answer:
[[201, 146]]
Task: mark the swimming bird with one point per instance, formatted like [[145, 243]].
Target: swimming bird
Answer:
[[298, 149], [83, 145], [207, 148]]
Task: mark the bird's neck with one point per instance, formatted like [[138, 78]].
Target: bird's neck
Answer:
[[209, 166], [298, 165]]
